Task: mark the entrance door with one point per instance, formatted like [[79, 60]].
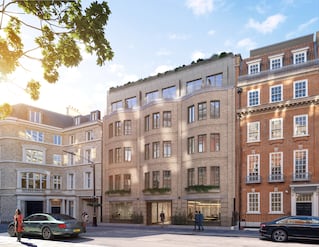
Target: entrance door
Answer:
[[154, 209], [34, 207], [304, 208]]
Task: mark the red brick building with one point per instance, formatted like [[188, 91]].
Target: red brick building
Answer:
[[278, 131]]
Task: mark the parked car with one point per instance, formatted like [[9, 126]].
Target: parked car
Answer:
[[291, 227], [49, 225]]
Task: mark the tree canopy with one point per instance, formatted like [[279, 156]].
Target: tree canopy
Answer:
[[61, 28]]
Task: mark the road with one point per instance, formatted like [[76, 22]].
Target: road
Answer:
[[152, 236]]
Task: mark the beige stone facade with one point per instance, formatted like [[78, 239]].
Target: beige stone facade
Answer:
[[168, 145], [36, 175]]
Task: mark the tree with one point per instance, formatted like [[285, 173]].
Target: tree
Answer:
[[61, 28]]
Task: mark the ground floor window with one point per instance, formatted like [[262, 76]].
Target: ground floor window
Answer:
[[121, 210], [156, 208], [209, 208]]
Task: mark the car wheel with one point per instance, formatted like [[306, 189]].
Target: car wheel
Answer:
[[279, 235], [46, 233], [11, 231]]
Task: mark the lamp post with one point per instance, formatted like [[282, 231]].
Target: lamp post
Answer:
[[94, 219]]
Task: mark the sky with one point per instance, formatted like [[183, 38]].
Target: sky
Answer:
[[152, 36]]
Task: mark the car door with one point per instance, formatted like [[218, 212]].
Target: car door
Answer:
[[314, 228], [298, 227]]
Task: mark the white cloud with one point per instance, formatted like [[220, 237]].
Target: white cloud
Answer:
[[302, 27], [175, 36], [200, 7], [268, 25], [197, 55], [211, 32], [247, 44], [161, 69]]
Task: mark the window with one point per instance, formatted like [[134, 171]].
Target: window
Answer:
[[146, 180], [202, 111], [77, 120], [202, 176], [202, 143], [276, 128], [300, 125], [151, 96], [127, 154], [71, 139], [300, 55], [110, 130], [169, 93], [215, 142], [167, 119], [118, 156], [276, 61], [34, 135], [117, 182], [253, 98], [300, 89], [147, 123], [111, 183], [156, 120], [190, 177], [254, 67], [87, 156], [57, 182], [191, 114], [111, 156], [215, 176], [34, 156], [215, 109], [147, 151], [253, 132], [127, 127], [253, 202], [155, 179], [167, 179], [276, 202], [215, 80], [116, 106], [156, 150], [70, 159], [127, 182], [167, 149], [32, 180], [87, 180], [130, 103], [301, 165], [95, 115], [191, 145], [57, 140], [89, 135], [71, 181], [57, 159], [193, 86], [35, 117], [118, 127], [276, 167], [276, 94], [253, 168]]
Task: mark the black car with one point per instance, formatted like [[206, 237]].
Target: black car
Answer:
[[291, 227], [49, 225]]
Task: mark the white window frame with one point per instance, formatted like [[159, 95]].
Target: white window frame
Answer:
[[253, 170], [274, 176], [254, 67], [249, 96], [271, 128], [71, 181], [57, 159], [305, 165], [280, 211], [248, 203], [88, 180], [89, 135], [272, 94], [57, 182], [306, 89], [297, 132], [127, 154], [35, 116], [275, 62], [257, 136], [296, 53], [57, 140]]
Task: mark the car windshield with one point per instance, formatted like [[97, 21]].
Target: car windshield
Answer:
[[62, 217]]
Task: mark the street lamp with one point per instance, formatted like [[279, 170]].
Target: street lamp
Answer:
[[94, 219]]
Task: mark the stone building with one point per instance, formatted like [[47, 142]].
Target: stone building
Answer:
[[47, 160], [168, 145], [278, 131]]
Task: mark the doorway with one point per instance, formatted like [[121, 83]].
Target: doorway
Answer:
[[33, 207], [154, 209]]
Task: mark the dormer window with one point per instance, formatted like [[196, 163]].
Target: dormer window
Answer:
[[254, 66], [77, 120], [276, 61], [300, 55], [35, 117], [95, 115]]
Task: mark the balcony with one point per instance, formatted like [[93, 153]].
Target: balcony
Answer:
[[253, 179], [301, 176], [202, 188], [154, 191], [118, 192], [276, 178]]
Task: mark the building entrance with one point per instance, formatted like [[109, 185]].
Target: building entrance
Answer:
[[154, 209], [33, 207]]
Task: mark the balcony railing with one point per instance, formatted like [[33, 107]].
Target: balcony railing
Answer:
[[276, 178], [253, 179]]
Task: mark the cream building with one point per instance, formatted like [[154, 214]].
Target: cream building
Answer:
[[169, 145], [47, 162]]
